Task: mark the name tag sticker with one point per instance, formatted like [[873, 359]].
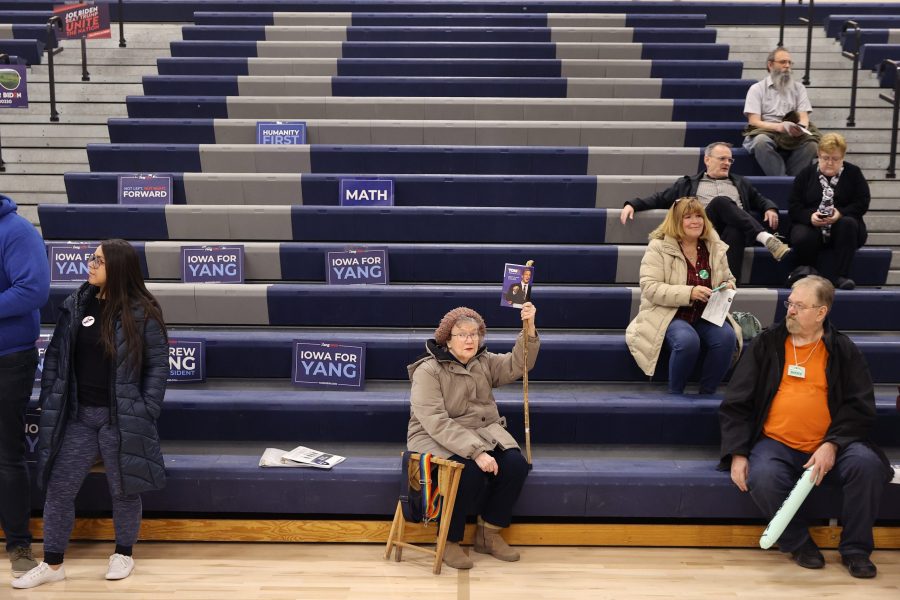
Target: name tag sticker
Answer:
[[797, 371]]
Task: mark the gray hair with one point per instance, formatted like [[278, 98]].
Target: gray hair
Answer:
[[771, 57], [709, 149], [822, 288]]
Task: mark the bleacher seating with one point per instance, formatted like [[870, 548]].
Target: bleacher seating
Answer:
[[398, 90]]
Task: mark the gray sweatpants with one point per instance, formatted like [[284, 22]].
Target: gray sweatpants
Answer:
[[87, 436]]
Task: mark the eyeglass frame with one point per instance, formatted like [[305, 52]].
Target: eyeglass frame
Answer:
[[97, 260], [788, 304], [465, 336]]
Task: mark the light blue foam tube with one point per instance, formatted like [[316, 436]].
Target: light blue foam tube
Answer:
[[788, 509]]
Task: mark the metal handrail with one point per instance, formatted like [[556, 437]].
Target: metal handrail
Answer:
[[809, 32], [52, 22], [4, 58], [781, 30], [851, 118], [895, 100], [121, 24]]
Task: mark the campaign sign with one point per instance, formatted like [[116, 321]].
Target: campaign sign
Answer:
[[69, 262], [85, 20], [329, 364], [145, 189], [281, 132], [32, 428], [187, 361], [13, 86], [41, 344], [367, 192], [352, 267], [516, 285], [212, 264]]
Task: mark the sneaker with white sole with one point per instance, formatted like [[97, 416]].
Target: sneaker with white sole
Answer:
[[39, 575], [21, 560], [120, 566]]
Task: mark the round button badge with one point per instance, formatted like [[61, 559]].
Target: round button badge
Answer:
[[87, 321]]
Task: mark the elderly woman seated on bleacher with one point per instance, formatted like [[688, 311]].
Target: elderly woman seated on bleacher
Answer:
[[684, 263], [454, 415], [827, 205]]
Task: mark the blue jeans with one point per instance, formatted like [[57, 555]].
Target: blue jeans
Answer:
[[16, 381], [775, 468], [685, 341]]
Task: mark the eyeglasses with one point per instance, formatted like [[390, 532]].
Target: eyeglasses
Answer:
[[798, 307], [97, 260], [830, 159], [724, 159], [466, 336], [787, 63]]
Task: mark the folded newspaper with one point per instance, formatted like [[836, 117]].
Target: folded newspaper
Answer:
[[301, 456]]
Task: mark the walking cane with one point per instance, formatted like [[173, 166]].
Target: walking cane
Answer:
[[529, 263]]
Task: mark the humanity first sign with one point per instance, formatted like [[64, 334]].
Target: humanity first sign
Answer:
[[13, 86], [187, 361], [329, 364], [363, 266], [85, 20], [69, 262], [212, 264], [284, 133], [145, 188]]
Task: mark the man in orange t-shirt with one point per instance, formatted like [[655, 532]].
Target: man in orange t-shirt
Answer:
[[802, 398]]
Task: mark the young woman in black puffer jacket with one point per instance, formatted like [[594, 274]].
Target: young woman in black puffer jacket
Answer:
[[102, 389]]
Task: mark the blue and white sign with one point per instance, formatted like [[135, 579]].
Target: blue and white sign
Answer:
[[145, 188], [68, 261], [353, 267], [329, 364], [212, 264], [367, 192], [281, 132], [187, 361], [41, 344]]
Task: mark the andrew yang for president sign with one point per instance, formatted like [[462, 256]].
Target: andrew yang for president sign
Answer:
[[329, 364], [357, 266], [187, 361], [68, 262], [281, 132], [145, 189], [367, 192], [212, 264]]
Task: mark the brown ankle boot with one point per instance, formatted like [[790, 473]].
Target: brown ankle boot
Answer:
[[455, 557], [489, 541]]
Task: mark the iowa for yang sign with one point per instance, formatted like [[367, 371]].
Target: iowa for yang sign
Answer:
[[360, 266], [329, 364], [68, 262], [212, 264]]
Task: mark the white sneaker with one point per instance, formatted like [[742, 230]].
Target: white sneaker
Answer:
[[120, 566], [39, 575]]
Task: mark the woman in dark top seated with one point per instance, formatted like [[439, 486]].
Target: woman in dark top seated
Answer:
[[827, 206]]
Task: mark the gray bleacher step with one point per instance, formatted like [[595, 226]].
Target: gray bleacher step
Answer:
[[41, 168], [877, 238], [45, 155], [18, 117], [96, 110], [114, 55], [50, 130], [52, 141], [884, 188], [867, 117], [33, 183], [829, 77], [106, 74], [879, 204], [884, 222], [895, 259], [137, 35], [34, 198], [85, 92], [893, 277]]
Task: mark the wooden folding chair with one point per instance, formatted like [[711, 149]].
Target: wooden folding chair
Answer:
[[449, 473]]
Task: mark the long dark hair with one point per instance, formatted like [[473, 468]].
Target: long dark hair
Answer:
[[123, 290]]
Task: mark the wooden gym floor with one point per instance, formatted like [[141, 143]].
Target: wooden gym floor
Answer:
[[249, 571]]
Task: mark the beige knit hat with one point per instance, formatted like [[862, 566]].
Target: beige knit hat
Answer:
[[442, 333]]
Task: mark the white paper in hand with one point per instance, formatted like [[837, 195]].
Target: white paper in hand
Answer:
[[718, 306]]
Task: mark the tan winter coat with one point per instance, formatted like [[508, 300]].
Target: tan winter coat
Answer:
[[663, 291], [452, 407]]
